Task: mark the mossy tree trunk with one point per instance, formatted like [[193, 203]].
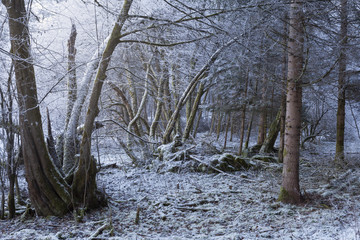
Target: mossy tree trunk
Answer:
[[290, 188], [270, 139]]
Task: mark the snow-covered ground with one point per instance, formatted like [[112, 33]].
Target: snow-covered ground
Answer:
[[239, 205]]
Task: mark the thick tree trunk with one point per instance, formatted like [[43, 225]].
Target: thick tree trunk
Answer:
[[48, 192], [340, 116], [290, 189]]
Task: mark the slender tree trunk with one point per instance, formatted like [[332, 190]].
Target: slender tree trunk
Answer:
[[248, 131], [219, 125], [72, 85], [159, 106], [243, 113], [271, 137], [340, 116], [194, 110], [283, 95], [282, 128], [227, 129], [263, 115], [84, 182], [290, 189]]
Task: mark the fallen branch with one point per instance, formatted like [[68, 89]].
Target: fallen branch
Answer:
[[100, 230], [216, 169]]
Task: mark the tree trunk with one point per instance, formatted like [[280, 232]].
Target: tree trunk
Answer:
[[219, 125], [283, 95], [263, 114], [227, 129], [290, 189], [282, 128], [270, 139], [84, 182], [243, 113], [194, 110], [248, 131], [49, 193], [340, 116], [72, 85]]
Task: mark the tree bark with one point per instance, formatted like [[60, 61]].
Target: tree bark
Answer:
[[340, 116], [84, 183], [283, 95], [270, 139], [194, 110], [263, 114], [290, 189], [72, 85], [49, 193], [243, 113]]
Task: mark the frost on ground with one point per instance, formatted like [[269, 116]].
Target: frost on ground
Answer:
[[144, 204]]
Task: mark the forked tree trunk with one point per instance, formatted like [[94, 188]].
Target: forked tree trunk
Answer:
[[340, 116], [290, 188]]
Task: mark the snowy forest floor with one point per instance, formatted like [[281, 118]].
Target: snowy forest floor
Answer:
[[240, 205]]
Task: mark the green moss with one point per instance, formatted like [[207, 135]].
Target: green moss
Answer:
[[284, 153], [283, 195]]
